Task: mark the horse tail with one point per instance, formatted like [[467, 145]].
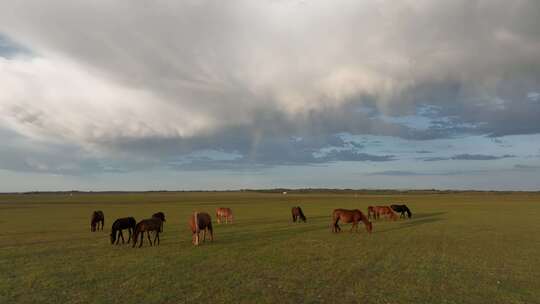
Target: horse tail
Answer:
[[136, 232], [335, 220]]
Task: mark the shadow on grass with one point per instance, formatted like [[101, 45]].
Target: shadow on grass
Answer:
[[419, 219]]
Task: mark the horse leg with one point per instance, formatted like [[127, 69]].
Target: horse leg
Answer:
[[156, 237], [148, 235], [121, 236], [117, 236], [142, 234], [204, 235], [129, 238]]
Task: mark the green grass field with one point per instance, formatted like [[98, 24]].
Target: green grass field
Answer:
[[458, 248]]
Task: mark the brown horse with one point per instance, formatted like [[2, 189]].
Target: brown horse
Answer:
[[148, 225], [386, 211], [161, 216], [97, 218], [224, 213], [298, 214], [349, 216], [200, 221]]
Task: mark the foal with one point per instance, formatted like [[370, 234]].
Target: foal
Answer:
[[97, 218], [200, 221], [120, 224], [349, 216], [297, 214], [148, 225]]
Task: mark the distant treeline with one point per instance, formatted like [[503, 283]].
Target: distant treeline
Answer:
[[287, 191]]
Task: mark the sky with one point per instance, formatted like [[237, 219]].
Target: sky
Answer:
[[183, 95]]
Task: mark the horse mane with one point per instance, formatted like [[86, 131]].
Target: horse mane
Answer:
[[196, 220], [409, 213], [302, 216]]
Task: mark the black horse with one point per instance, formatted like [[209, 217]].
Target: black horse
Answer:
[[120, 224], [402, 209], [297, 213], [160, 215]]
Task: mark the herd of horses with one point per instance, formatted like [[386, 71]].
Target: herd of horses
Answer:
[[202, 222]]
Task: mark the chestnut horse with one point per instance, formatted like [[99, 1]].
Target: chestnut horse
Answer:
[[224, 213], [402, 209], [97, 217], [297, 213], [385, 210], [161, 216], [148, 225], [200, 221], [120, 224], [349, 216]]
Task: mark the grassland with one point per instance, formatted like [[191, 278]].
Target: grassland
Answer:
[[458, 248]]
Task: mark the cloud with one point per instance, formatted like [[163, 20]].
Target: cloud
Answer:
[[155, 82], [469, 157], [526, 167]]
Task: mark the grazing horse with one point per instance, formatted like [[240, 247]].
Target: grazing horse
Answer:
[[148, 225], [349, 216], [224, 213], [402, 209], [385, 210], [120, 224], [297, 213], [97, 217], [160, 215], [200, 221], [371, 212]]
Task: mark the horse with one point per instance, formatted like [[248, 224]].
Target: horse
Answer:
[[371, 212], [97, 217], [385, 210], [297, 213], [160, 215], [200, 221], [224, 213], [120, 224], [147, 225], [402, 209], [349, 216]]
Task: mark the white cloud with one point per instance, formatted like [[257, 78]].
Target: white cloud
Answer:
[[59, 100], [139, 69]]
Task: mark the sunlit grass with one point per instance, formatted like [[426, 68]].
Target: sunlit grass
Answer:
[[458, 248]]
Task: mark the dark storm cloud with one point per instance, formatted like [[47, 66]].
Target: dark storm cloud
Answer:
[[469, 157]]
